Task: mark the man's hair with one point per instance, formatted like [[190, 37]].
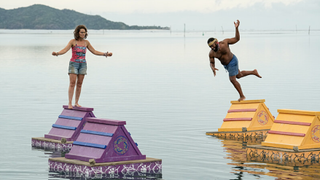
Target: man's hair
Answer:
[[211, 39], [77, 30]]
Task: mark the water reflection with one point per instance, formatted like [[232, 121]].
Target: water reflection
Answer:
[[236, 152], [77, 176]]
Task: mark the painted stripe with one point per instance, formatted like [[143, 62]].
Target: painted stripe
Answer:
[[237, 119], [292, 122], [97, 133], [64, 127], [242, 110], [70, 117], [286, 133], [89, 144]]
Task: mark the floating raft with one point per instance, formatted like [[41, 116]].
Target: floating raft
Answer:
[[104, 147], [293, 138], [245, 119], [150, 167], [283, 156], [65, 130]]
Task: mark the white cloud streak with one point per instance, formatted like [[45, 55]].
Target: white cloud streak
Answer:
[[147, 6]]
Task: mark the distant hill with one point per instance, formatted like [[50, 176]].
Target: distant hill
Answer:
[[44, 17]]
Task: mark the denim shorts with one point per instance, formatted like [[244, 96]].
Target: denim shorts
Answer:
[[233, 67], [77, 68]]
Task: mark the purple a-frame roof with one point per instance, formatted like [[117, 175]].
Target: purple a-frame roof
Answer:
[[104, 140], [69, 123]]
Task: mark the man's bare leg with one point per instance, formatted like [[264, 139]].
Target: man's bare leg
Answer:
[[238, 87], [78, 90], [73, 78], [246, 73]]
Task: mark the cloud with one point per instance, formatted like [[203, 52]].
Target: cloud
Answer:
[[165, 6], [148, 6]]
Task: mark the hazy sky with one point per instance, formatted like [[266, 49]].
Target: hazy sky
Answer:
[[196, 14]]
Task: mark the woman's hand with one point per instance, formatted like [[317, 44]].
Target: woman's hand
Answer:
[[107, 54], [55, 53]]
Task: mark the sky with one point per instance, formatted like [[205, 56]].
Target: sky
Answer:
[[195, 15]]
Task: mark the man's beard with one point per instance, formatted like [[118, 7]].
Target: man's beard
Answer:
[[216, 48]]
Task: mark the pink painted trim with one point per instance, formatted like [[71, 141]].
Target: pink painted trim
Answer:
[[286, 133], [237, 119], [293, 123], [57, 137], [86, 109], [105, 121], [242, 110]]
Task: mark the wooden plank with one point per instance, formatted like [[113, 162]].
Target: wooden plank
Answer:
[[91, 138], [286, 133], [70, 117], [248, 101], [224, 132], [86, 109], [91, 126], [63, 127], [237, 119], [300, 112], [50, 140], [281, 149], [101, 146], [241, 110], [292, 122], [97, 133], [106, 121], [57, 137]]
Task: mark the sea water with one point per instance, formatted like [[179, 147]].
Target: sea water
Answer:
[[161, 84]]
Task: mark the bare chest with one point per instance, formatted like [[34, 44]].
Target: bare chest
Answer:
[[223, 54]]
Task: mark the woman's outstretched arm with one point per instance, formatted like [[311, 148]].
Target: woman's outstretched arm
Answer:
[[98, 53], [64, 50]]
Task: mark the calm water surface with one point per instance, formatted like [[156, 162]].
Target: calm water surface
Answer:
[[161, 84]]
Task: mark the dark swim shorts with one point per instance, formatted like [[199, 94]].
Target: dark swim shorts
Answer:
[[232, 67]]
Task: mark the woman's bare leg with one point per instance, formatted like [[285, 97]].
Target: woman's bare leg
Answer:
[[78, 90], [73, 78]]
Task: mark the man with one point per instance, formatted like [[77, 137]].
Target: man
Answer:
[[221, 51]]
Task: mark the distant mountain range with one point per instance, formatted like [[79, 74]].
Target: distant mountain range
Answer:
[[44, 17]]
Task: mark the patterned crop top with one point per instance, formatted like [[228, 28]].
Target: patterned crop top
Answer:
[[78, 54]]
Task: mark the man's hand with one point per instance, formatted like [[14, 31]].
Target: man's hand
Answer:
[[236, 24], [214, 71]]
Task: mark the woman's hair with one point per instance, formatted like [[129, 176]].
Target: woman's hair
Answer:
[[77, 30]]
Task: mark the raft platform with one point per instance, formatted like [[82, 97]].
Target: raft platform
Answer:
[[104, 148], [290, 157], [294, 139], [65, 130], [121, 169], [248, 119], [244, 136]]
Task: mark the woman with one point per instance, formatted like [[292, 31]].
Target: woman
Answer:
[[78, 63]]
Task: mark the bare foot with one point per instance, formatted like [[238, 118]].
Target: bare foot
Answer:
[[255, 72], [70, 106], [77, 105], [241, 98]]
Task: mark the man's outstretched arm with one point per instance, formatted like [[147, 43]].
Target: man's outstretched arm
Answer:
[[212, 65], [237, 36]]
